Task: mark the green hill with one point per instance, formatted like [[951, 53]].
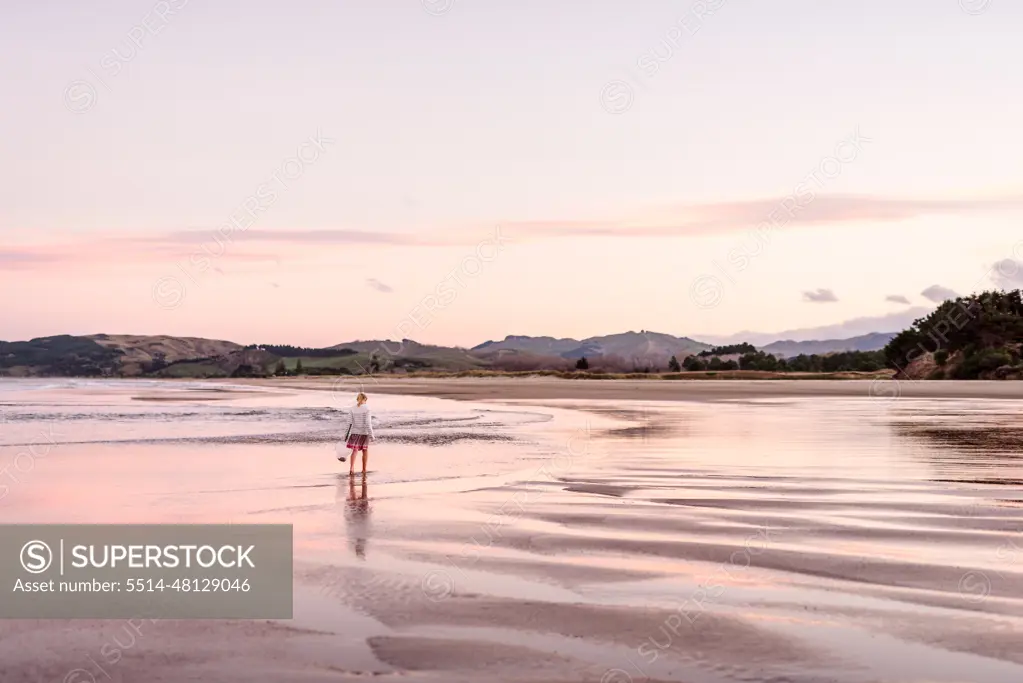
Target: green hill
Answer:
[[637, 348], [408, 355], [975, 337], [63, 355], [972, 337]]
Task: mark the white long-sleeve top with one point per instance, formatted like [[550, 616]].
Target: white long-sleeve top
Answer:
[[360, 419]]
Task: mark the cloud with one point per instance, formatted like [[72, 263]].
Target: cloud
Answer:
[[670, 221], [820, 296], [378, 285], [897, 299], [211, 244], [721, 217], [854, 327], [20, 260], [1008, 274], [938, 294], [199, 237], [125, 251]]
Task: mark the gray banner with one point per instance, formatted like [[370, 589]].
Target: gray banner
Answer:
[[160, 571]]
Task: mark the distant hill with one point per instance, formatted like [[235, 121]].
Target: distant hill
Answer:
[[856, 327], [124, 355], [61, 355], [410, 355], [643, 346], [540, 346], [867, 342], [137, 351], [113, 355]]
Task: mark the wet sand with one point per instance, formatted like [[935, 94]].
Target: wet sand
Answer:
[[730, 538], [544, 388]]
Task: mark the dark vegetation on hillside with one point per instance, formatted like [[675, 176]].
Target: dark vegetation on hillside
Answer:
[[729, 350], [975, 337], [972, 337], [75, 356], [845, 361], [63, 355], [286, 351]]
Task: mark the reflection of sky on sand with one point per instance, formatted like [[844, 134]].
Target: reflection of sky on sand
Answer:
[[840, 523], [867, 524]]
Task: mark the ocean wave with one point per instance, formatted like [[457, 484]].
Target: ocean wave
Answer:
[[217, 425]]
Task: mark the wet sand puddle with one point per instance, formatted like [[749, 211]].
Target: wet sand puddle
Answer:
[[823, 539], [826, 540]]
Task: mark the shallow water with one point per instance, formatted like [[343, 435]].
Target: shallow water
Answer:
[[823, 538], [292, 434]]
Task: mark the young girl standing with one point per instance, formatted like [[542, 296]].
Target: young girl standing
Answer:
[[361, 422]]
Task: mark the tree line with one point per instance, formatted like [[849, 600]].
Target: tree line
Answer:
[[293, 351], [844, 361], [972, 337]]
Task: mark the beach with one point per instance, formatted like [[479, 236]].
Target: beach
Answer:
[[541, 388], [551, 530]]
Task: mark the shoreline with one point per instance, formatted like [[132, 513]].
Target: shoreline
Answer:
[[700, 387], [548, 388]]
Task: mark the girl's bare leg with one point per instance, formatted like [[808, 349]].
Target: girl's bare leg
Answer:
[[351, 466], [365, 459]]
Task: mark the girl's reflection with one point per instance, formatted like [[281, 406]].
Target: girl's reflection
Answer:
[[356, 515]]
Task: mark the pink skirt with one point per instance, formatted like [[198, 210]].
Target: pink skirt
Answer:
[[358, 441]]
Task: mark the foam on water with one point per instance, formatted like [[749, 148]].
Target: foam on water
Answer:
[[80, 415]]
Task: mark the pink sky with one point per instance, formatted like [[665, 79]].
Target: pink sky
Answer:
[[356, 172]]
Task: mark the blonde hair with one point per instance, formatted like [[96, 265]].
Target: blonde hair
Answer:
[[361, 398]]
